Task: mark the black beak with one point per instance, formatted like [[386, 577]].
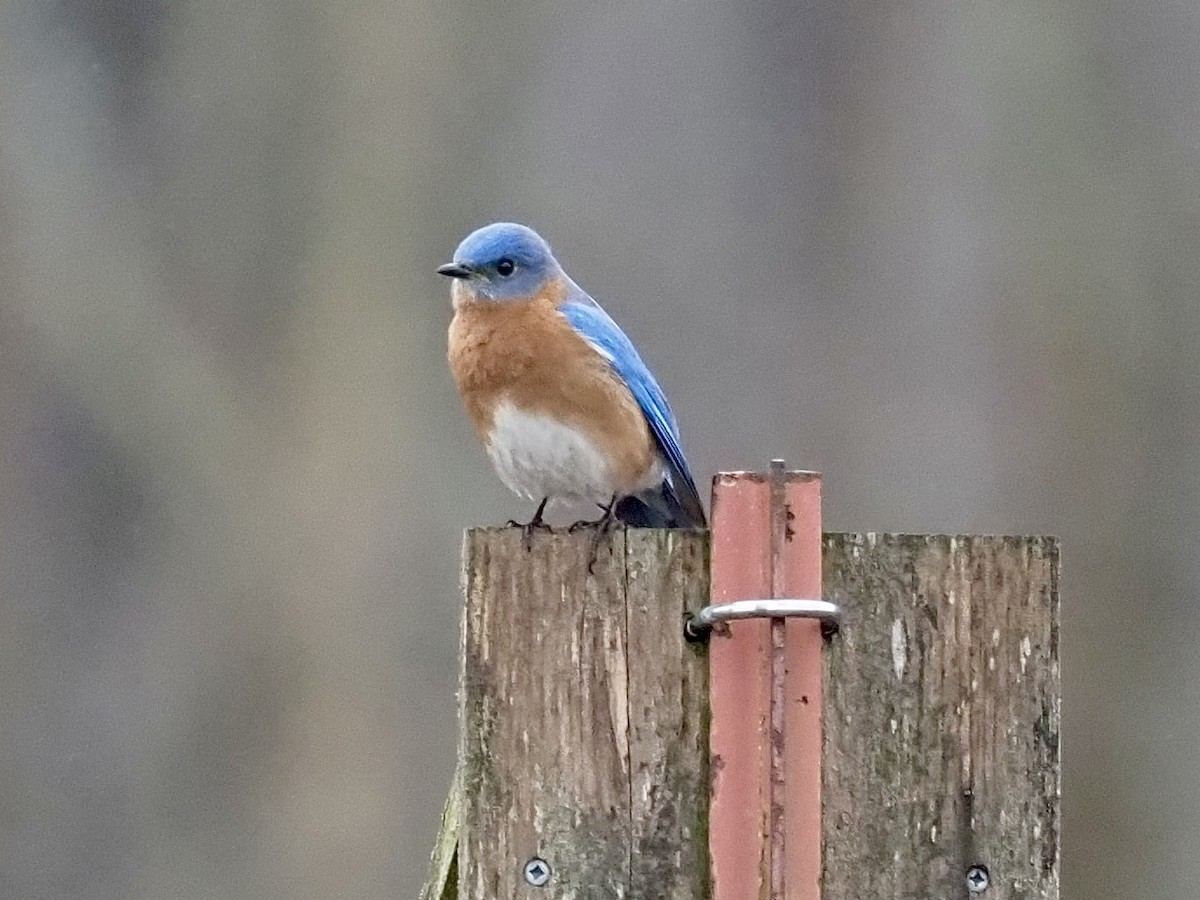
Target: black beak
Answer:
[[454, 270]]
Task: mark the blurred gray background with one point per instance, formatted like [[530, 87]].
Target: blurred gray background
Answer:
[[944, 252]]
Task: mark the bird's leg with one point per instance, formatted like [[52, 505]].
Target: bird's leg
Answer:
[[532, 525]]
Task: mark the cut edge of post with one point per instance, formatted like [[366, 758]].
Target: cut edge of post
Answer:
[[441, 883]]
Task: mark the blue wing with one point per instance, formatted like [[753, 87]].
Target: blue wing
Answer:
[[678, 502]]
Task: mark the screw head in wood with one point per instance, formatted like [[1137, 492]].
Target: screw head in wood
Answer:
[[537, 871], [978, 879]]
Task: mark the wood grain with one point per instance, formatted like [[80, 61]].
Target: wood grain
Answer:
[[942, 717], [583, 711]]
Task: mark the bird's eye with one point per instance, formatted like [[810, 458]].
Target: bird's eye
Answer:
[[505, 267]]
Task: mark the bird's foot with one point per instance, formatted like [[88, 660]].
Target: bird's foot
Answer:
[[534, 524], [607, 516], [602, 526]]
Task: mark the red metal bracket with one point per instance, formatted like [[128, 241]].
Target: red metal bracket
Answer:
[[765, 818]]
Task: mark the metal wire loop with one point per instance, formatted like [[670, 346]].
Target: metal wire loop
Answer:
[[697, 627]]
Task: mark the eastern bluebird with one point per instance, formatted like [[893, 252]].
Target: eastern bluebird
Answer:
[[563, 403]]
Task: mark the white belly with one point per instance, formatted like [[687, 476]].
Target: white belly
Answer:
[[540, 457]]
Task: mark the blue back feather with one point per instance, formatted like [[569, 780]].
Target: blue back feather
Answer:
[[596, 327]]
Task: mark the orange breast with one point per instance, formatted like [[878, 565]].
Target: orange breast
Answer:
[[528, 354]]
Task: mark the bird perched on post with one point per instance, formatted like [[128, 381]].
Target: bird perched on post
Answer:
[[559, 396]]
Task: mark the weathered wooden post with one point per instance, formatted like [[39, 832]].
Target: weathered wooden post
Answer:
[[942, 693], [584, 759], [583, 755]]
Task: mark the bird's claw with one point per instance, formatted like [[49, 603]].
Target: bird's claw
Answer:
[[602, 526], [528, 528]]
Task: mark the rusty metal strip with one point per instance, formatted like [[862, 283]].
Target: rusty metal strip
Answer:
[[765, 838]]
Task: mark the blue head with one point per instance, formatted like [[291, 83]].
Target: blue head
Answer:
[[499, 262]]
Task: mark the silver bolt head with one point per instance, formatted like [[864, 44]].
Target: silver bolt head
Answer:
[[537, 871], [978, 879]]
